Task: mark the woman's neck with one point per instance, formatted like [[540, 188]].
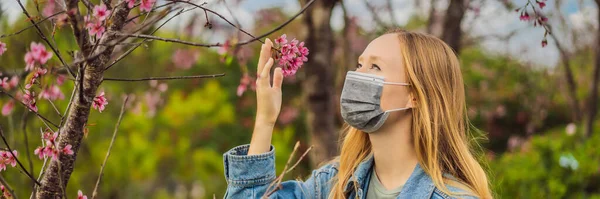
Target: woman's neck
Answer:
[[394, 154]]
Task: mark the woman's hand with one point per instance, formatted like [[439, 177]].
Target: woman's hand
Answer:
[[268, 97], [268, 101]]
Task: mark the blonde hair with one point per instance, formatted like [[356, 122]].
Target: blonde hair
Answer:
[[440, 127]]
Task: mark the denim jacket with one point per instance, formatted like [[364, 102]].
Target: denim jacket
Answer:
[[249, 176]]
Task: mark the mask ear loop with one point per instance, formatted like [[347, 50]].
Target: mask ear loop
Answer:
[[399, 84]]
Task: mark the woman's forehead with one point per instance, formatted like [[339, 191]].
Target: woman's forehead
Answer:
[[385, 48]]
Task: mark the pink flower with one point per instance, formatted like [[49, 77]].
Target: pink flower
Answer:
[[14, 81], [60, 79], [4, 83], [244, 82], [101, 12], [2, 48], [67, 150], [130, 3], [544, 43], [30, 61], [96, 29], [5, 192], [292, 55], [40, 152], [52, 93], [100, 102], [524, 16], [542, 4], [80, 195], [8, 107], [185, 58], [28, 96], [10, 159], [225, 47], [49, 9], [281, 40], [146, 5]]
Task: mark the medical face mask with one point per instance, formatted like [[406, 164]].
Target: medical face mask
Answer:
[[361, 101]]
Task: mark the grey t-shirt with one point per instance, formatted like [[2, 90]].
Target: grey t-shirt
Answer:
[[376, 190]]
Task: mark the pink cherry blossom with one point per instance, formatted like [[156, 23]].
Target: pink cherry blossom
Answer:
[[5, 192], [60, 79], [7, 158], [30, 61], [281, 40], [67, 150], [80, 195], [101, 12], [225, 47], [291, 55], [52, 93], [2, 48], [244, 82], [49, 9], [100, 102], [40, 152], [147, 5], [525, 16], [541, 3], [544, 43], [96, 29], [14, 81], [4, 83], [184, 59], [8, 107], [130, 3]]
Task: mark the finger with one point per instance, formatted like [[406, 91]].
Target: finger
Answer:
[[277, 78], [265, 53], [265, 75]]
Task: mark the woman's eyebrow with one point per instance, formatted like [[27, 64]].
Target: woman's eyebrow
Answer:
[[371, 58]]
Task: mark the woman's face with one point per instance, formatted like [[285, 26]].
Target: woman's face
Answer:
[[382, 57]]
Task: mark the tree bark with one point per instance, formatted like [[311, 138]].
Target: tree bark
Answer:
[[571, 85], [452, 31], [90, 77], [593, 99], [318, 87]]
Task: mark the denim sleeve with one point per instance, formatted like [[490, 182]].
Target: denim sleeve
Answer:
[[249, 176]]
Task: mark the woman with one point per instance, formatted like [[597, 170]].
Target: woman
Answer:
[[407, 134]]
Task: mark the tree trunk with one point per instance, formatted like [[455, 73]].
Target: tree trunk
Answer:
[[58, 172], [571, 85], [452, 32], [318, 87], [593, 99]]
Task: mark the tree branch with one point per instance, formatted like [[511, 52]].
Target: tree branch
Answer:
[[112, 141], [54, 49], [31, 26], [42, 117], [14, 156], [165, 78]]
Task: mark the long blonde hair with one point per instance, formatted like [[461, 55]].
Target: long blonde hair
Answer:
[[440, 127]]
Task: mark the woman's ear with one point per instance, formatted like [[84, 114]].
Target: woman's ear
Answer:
[[412, 101]]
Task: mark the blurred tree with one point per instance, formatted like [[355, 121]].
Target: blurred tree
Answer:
[[319, 85]]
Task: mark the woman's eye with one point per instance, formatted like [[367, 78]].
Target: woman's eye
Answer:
[[375, 67], [358, 66]]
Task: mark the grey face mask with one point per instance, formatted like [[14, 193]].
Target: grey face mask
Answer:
[[361, 101]]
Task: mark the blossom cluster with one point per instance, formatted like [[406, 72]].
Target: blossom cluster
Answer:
[[51, 150]]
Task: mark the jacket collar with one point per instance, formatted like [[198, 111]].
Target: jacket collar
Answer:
[[418, 185]]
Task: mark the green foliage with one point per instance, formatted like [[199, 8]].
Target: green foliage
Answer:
[[536, 172]]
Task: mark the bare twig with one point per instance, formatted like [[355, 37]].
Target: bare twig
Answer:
[[17, 159], [10, 190], [55, 109], [44, 38], [26, 141], [42, 117], [112, 141], [140, 43], [31, 26], [276, 184], [164, 78]]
